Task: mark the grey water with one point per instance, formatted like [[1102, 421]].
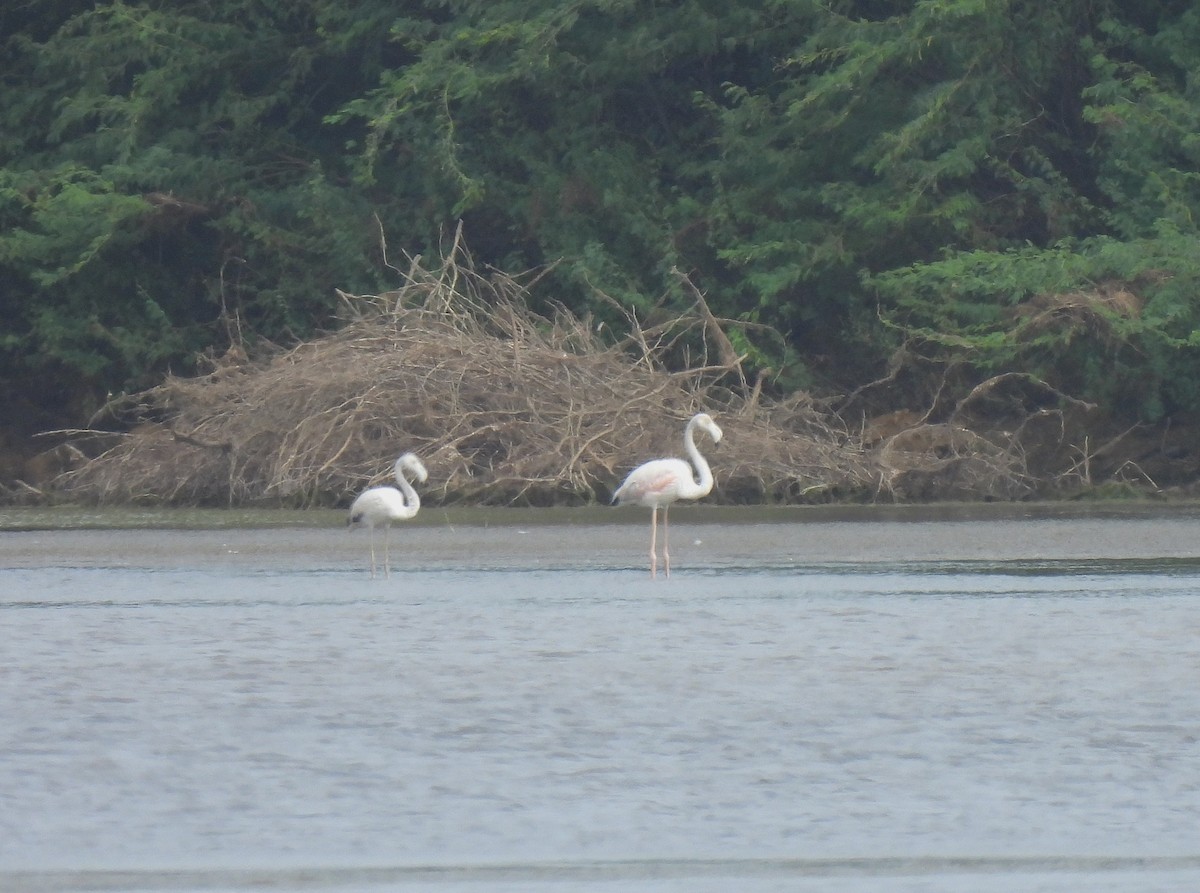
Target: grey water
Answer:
[[983, 699]]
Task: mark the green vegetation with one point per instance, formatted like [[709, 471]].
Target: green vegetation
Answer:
[[995, 184]]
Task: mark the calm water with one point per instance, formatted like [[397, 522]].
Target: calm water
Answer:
[[985, 703]]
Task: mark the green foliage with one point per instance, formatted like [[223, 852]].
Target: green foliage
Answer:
[[61, 235], [1142, 102], [562, 131], [179, 174], [60, 226], [1043, 305], [1112, 321], [893, 137], [170, 184]]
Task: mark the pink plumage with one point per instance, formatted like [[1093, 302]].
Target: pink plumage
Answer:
[[660, 482]]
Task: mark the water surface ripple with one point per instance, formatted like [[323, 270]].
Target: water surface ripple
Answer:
[[245, 709]]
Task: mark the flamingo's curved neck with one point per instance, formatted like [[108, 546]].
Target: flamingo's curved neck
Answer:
[[705, 484], [412, 502]]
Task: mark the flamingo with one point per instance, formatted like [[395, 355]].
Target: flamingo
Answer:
[[380, 506], [661, 482]]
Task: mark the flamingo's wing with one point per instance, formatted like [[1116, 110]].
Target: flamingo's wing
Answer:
[[376, 507], [654, 480]]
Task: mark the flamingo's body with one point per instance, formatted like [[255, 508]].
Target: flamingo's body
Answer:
[[660, 482], [380, 506]]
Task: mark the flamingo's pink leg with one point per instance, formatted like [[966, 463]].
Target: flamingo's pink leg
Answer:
[[666, 537], [653, 536]]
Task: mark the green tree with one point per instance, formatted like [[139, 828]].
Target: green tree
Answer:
[[1133, 199], [786, 153], [850, 172], [170, 183]]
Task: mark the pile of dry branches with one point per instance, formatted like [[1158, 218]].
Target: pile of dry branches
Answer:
[[509, 406], [504, 405]]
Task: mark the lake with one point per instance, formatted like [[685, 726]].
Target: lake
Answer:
[[991, 698]]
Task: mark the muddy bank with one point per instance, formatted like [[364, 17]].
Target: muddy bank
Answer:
[[703, 538]]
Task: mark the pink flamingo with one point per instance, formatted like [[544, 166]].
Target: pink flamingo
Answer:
[[380, 506], [661, 482]]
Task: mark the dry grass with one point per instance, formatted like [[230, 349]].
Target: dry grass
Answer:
[[505, 406], [509, 406]]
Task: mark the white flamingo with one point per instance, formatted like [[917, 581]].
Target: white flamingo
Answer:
[[661, 482], [380, 506]]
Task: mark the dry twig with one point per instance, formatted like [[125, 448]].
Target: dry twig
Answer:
[[504, 405]]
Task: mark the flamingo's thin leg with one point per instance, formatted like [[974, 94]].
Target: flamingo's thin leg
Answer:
[[653, 536], [666, 538]]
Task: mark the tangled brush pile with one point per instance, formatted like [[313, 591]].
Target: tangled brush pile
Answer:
[[504, 405]]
